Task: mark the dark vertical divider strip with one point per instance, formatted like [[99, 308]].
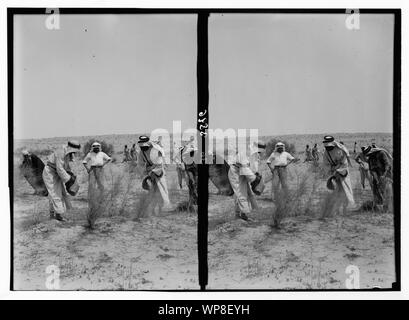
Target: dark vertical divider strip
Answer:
[[203, 169], [397, 144], [10, 98]]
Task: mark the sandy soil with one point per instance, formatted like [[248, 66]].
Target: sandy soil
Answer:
[[303, 254], [130, 251], [306, 252], [122, 253]]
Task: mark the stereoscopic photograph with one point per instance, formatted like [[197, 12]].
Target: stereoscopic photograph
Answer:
[[297, 142]]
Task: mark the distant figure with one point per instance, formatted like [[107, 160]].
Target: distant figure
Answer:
[[59, 179], [278, 162], [355, 144], [94, 163], [133, 152], [308, 154], [177, 159], [315, 153], [187, 157], [185, 166], [32, 169], [380, 167], [373, 143], [336, 161], [126, 154], [363, 168]]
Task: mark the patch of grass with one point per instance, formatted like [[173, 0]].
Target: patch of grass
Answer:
[[290, 203], [116, 199], [351, 256], [327, 204], [253, 269]]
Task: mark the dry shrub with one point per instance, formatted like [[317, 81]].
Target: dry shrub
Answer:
[[291, 203], [130, 177], [33, 220], [327, 204], [121, 198], [186, 206], [115, 198], [92, 216], [123, 194], [141, 206]]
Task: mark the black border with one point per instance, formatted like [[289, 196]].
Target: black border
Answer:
[[203, 168], [202, 70], [397, 61]]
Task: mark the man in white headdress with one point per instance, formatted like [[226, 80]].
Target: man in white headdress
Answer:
[[336, 161], [151, 158], [380, 166], [59, 179], [278, 162], [245, 179], [94, 163]]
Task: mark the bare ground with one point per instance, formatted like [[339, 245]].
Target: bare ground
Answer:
[[306, 252], [303, 254], [123, 252], [129, 251]]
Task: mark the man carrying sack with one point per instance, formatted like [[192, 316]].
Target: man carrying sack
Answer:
[[59, 179], [336, 161], [152, 158], [380, 167], [363, 168], [245, 180]]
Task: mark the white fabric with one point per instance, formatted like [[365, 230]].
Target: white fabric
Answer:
[[243, 195], [346, 186], [57, 159], [96, 159], [156, 154], [177, 155], [68, 149], [337, 161], [254, 161], [57, 196], [280, 159], [244, 163], [163, 190], [54, 180], [183, 154], [186, 153]]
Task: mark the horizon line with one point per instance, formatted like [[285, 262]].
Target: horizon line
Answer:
[[262, 135]]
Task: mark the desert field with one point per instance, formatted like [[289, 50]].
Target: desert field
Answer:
[[131, 250]]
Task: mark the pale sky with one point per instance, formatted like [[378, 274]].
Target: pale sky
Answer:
[[280, 73], [301, 73]]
